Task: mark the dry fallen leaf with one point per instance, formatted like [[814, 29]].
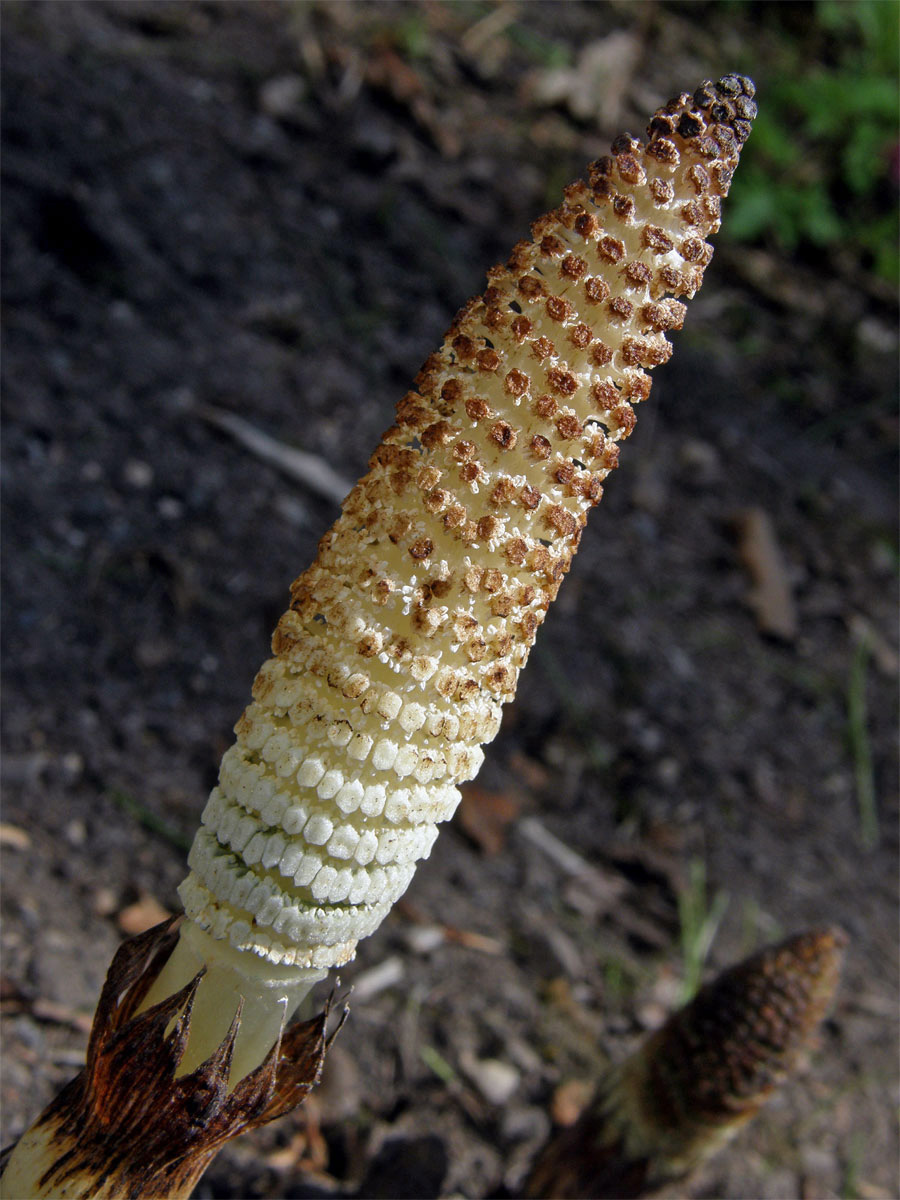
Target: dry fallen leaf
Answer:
[[142, 915], [594, 88], [14, 837], [568, 1101], [771, 597], [485, 815]]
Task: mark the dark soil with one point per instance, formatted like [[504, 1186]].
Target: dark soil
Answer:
[[275, 209]]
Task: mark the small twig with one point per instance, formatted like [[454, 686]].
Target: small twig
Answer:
[[860, 745], [304, 468]]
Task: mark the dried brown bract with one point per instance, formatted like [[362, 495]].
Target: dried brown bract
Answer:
[[126, 1126]]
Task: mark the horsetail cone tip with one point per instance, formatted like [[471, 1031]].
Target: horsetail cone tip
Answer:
[[408, 632], [694, 1083]]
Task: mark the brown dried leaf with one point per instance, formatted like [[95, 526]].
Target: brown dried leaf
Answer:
[[142, 915], [595, 88], [772, 597], [14, 837], [485, 815], [569, 1101]]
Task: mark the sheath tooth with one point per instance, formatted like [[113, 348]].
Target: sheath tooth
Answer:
[[241, 889], [339, 734], [429, 837], [238, 933], [263, 793], [412, 717], [257, 897], [214, 810], [276, 747], [289, 763], [269, 910], [424, 769], [389, 706]]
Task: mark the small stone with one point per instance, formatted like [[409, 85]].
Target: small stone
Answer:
[[496, 1080], [281, 96], [137, 474]]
